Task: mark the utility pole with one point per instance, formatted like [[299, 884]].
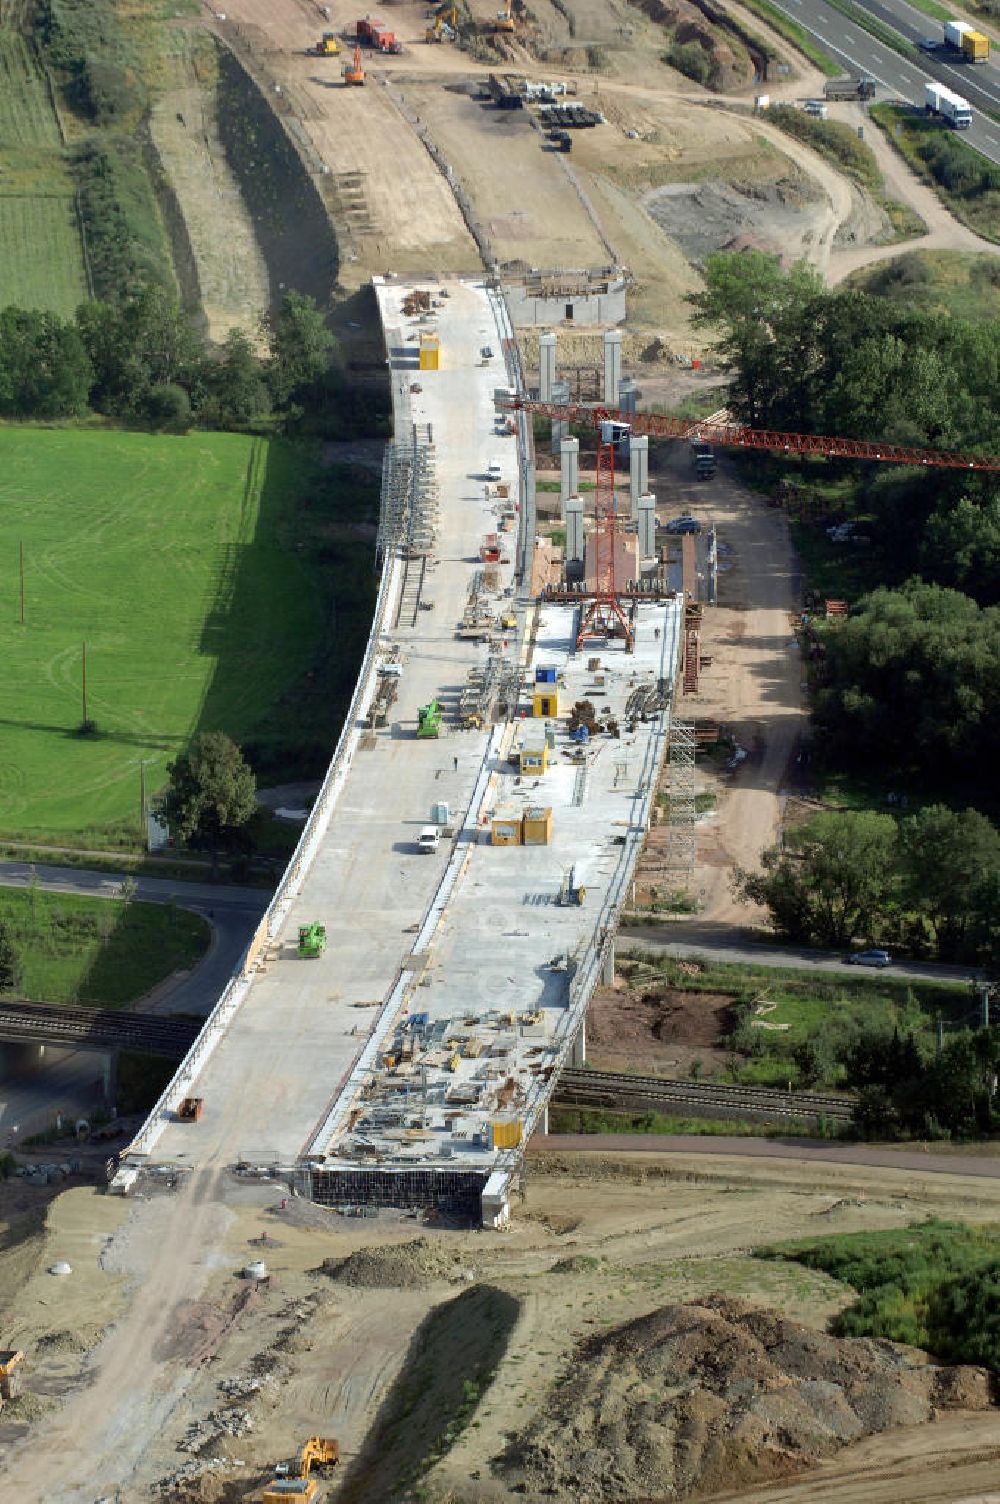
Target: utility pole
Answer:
[[20, 549], [85, 686]]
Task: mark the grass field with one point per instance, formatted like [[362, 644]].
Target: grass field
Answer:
[[53, 281], [190, 566], [42, 263], [96, 950]]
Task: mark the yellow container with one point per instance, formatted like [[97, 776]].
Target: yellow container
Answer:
[[545, 702], [534, 759], [430, 352], [506, 1133], [537, 826], [506, 829]]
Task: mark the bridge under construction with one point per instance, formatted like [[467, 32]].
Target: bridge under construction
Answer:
[[473, 843]]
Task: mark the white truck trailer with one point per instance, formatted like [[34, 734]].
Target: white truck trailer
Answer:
[[951, 107], [963, 38]]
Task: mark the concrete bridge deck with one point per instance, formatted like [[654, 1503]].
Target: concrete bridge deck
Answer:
[[473, 940]]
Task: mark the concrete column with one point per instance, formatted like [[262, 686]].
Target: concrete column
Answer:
[[612, 366], [543, 1121], [628, 396], [578, 1054], [569, 470], [608, 968], [573, 514], [647, 526], [638, 470], [546, 366], [560, 428]]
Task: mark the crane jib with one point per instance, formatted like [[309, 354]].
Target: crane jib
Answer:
[[740, 436]]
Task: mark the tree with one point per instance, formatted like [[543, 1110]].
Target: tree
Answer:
[[10, 962], [300, 346], [834, 880], [168, 406], [948, 860], [45, 371], [237, 383], [143, 343], [211, 794]]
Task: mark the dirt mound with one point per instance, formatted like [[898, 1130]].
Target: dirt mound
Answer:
[[398, 1266], [783, 216], [694, 1398]]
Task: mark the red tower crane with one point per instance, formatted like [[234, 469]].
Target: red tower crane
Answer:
[[604, 607]]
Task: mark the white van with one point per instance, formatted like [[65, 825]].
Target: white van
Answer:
[[427, 840], [493, 470]]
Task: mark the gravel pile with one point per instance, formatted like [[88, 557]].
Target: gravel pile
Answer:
[[720, 1394], [398, 1266]]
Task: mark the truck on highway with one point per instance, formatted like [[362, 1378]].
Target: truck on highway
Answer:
[[851, 88], [965, 39], [950, 107]]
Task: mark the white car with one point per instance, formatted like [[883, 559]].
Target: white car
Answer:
[[493, 470]]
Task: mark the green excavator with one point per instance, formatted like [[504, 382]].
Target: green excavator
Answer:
[[312, 939]]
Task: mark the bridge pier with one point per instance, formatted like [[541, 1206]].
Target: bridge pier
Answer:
[[578, 1054], [608, 966]]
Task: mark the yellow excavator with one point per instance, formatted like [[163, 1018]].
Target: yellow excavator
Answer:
[[444, 26], [505, 18], [292, 1480]]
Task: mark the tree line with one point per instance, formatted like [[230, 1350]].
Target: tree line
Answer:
[[928, 882], [140, 359]]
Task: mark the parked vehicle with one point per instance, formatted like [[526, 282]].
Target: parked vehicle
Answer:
[[429, 839], [951, 107], [877, 958], [684, 524]]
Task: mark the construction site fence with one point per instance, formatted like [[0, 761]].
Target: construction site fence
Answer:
[[236, 989]]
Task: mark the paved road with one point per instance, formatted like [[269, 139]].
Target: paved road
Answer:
[[859, 52], [233, 913], [870, 1156], [730, 946]]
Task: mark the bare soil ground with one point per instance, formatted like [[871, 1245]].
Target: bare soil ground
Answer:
[[658, 1031], [597, 1242], [232, 275]]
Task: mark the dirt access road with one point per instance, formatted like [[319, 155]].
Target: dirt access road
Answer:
[[753, 685]]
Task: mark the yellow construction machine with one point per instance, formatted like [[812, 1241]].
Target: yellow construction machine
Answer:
[[505, 17], [293, 1481], [327, 46]]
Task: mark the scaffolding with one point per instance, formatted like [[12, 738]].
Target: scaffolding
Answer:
[[409, 509], [681, 828]]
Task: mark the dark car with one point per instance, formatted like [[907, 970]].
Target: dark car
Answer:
[[685, 524], [869, 958]]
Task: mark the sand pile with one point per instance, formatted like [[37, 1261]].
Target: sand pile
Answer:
[[398, 1266], [721, 1394]]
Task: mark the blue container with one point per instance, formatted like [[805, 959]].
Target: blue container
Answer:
[[545, 676]]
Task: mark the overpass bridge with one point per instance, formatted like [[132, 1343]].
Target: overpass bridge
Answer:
[[410, 1063], [100, 1029]]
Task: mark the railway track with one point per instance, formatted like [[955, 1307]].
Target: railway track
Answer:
[[707, 1098], [96, 1029]]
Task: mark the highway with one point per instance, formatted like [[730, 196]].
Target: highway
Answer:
[[859, 52]]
